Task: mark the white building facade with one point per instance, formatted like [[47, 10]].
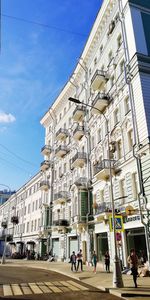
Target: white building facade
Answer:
[[111, 79]]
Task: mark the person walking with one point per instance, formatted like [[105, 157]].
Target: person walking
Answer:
[[94, 258], [107, 261], [73, 261], [133, 262], [79, 260]]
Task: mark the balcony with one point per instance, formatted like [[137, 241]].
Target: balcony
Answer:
[[78, 133], [61, 197], [61, 223], [45, 165], [99, 80], [81, 182], [102, 169], [79, 160], [79, 222], [44, 185], [79, 113], [100, 102], [61, 134], [61, 151], [14, 220], [46, 150], [103, 207]]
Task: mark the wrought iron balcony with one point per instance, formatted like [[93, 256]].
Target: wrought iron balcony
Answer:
[[102, 169], [61, 197], [61, 223], [46, 150], [79, 113], [79, 160], [61, 134], [78, 133], [100, 102], [99, 80], [103, 208], [45, 165], [44, 185], [61, 151]]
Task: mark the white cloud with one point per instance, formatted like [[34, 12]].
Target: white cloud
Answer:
[[6, 118]]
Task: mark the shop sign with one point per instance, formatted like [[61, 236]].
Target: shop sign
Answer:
[[118, 223], [131, 219]]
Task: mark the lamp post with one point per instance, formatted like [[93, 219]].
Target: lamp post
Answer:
[[3, 260], [117, 276]]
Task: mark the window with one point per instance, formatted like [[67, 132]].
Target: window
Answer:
[[101, 49], [122, 189], [110, 56], [119, 149], [36, 204], [126, 105], [64, 111], [112, 81], [99, 135], [70, 121], [116, 116], [101, 195], [39, 223], [122, 67], [65, 168], [130, 139], [32, 228], [35, 225], [28, 208], [95, 61], [65, 126], [27, 227], [60, 117], [90, 72], [119, 41], [135, 185], [33, 206]]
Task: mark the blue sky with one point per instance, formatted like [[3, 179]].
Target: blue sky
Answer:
[[35, 63]]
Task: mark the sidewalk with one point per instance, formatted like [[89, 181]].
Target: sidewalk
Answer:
[[100, 280]]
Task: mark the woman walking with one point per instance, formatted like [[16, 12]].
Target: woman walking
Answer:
[[133, 262], [94, 261], [107, 261]]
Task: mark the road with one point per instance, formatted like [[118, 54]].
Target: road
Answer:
[[29, 283]]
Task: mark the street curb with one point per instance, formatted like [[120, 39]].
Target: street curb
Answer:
[[127, 294]]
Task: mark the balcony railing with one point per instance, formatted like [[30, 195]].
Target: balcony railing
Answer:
[[79, 113], [46, 150], [61, 197], [61, 134], [78, 133], [14, 220], [45, 165], [79, 160], [102, 169], [44, 185], [103, 208], [61, 223], [99, 79], [61, 151], [100, 102]]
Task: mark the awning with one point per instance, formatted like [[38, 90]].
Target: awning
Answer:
[[19, 242], [30, 243], [12, 243]]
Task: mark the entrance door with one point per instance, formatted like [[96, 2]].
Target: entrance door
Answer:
[[73, 245], [55, 246], [102, 245], [136, 240]]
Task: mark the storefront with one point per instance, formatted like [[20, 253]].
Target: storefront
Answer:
[[73, 245], [55, 247], [102, 245], [136, 239]]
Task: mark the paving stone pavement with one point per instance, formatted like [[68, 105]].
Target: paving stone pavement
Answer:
[[101, 279]]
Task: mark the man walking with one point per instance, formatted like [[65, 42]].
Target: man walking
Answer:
[[79, 260], [73, 261]]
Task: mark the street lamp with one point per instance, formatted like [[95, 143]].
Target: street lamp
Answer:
[[6, 228], [117, 276]]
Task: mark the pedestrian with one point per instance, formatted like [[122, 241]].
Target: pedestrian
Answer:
[[107, 261], [133, 262], [73, 258], [79, 260], [94, 258]]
